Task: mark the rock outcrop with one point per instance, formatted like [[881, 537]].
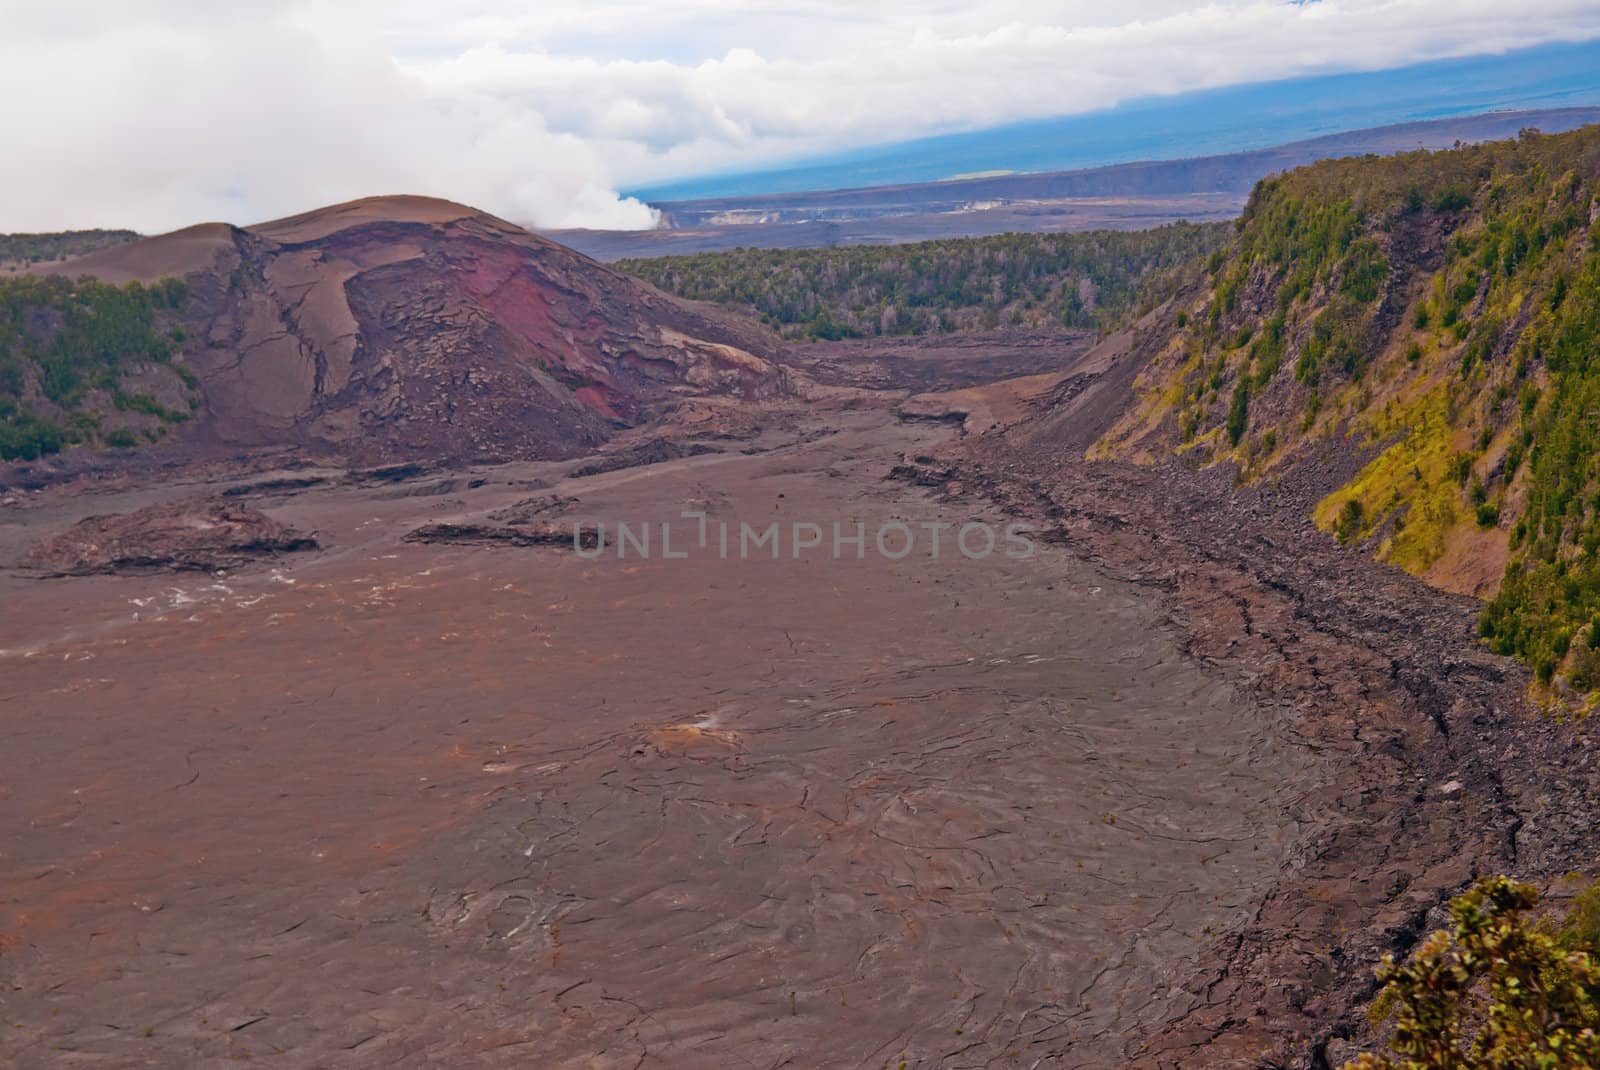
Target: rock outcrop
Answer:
[[399, 328], [202, 534]]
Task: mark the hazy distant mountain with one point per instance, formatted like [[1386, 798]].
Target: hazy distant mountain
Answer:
[[1235, 119], [1119, 196]]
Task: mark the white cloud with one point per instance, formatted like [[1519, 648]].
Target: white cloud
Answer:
[[157, 123], [157, 114]]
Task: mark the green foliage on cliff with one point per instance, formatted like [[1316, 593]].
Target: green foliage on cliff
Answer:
[[61, 340], [1551, 599], [1440, 310], [1494, 992], [1089, 279]]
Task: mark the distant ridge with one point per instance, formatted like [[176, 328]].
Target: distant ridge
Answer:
[[1118, 196], [1238, 118], [1230, 173]]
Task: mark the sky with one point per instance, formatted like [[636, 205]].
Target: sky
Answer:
[[155, 114]]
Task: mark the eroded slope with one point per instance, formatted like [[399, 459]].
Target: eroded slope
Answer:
[[406, 327], [1411, 340]]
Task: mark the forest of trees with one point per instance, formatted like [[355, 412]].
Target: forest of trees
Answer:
[[61, 339], [17, 249], [1088, 280], [1492, 340]]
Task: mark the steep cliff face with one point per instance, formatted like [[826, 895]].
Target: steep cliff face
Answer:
[[406, 327], [1416, 340]]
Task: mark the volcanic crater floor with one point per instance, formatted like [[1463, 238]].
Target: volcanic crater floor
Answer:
[[401, 803]]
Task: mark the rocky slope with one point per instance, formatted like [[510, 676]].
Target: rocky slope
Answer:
[[404, 327], [1436, 773], [1408, 342], [1414, 336]]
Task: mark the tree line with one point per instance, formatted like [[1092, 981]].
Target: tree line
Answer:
[[1079, 280]]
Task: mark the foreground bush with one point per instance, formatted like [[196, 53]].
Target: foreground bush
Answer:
[[1495, 993]]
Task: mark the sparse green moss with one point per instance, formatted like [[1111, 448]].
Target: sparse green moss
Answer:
[[1416, 476]]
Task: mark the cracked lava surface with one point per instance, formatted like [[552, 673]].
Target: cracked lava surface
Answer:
[[406, 804]]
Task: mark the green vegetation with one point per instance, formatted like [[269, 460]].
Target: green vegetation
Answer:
[[1239, 412], [25, 436], [1090, 279], [1497, 991], [1441, 311], [61, 340], [1348, 526], [35, 248], [1553, 596]]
